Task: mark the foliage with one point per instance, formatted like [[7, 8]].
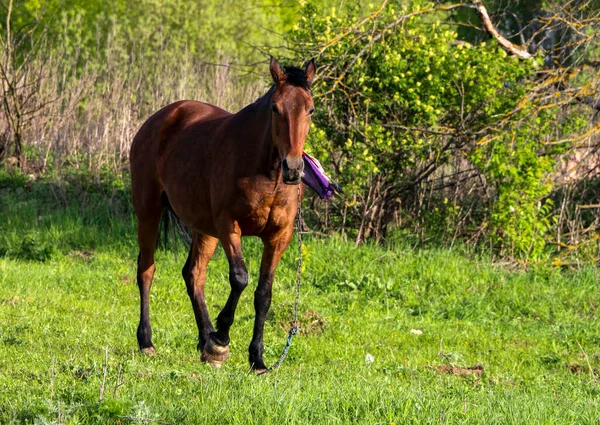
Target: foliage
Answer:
[[152, 30], [408, 110], [433, 130], [378, 107]]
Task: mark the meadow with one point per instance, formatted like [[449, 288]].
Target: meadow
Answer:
[[465, 136], [390, 334]]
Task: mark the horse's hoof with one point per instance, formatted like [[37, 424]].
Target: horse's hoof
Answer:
[[149, 351], [214, 354], [259, 368]]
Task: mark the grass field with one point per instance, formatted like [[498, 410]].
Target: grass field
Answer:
[[497, 346]]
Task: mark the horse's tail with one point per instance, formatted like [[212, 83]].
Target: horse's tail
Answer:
[[171, 227]]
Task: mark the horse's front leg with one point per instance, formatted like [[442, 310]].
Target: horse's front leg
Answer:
[[273, 250], [216, 349]]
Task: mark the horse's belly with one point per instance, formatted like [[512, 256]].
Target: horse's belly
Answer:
[[195, 213]]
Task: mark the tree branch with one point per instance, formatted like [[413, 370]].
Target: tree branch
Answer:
[[491, 30]]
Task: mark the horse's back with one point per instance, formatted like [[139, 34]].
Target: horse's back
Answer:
[[163, 128], [156, 138]]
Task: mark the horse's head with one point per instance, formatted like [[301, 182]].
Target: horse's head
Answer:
[[292, 106]]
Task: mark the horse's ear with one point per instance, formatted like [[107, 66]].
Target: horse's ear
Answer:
[[310, 70], [276, 71]]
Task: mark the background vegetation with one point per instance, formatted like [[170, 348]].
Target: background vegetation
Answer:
[[436, 131]]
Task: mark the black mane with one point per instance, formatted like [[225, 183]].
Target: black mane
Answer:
[[296, 77]]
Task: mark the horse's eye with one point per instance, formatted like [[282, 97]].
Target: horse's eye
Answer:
[[311, 111], [274, 108]]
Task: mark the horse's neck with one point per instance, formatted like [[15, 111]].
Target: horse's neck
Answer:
[[267, 159]]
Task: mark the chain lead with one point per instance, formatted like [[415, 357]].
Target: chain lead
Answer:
[[299, 270]]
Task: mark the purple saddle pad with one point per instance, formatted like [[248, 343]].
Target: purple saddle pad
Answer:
[[315, 177]]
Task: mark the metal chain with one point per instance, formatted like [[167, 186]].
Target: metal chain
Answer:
[[295, 328], [299, 269]]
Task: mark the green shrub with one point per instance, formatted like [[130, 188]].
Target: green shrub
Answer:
[[407, 110]]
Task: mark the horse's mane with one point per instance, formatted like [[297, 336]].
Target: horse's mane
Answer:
[[296, 77]]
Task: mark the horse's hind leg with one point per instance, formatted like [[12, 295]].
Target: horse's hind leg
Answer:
[[194, 274], [148, 224]]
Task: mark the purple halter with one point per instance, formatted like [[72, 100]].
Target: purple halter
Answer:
[[315, 177]]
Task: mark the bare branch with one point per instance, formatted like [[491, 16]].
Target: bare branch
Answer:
[[489, 27]]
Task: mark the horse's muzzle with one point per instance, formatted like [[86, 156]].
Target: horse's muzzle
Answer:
[[292, 170]]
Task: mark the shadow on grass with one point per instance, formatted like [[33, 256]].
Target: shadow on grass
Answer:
[[43, 218]]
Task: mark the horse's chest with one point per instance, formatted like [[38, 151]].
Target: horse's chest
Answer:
[[261, 212]]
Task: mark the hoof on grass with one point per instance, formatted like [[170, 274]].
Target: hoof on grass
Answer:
[[214, 354], [260, 371], [259, 368], [149, 351]]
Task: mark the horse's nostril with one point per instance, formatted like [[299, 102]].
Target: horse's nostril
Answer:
[[291, 175]]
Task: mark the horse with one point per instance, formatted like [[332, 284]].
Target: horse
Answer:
[[224, 176]]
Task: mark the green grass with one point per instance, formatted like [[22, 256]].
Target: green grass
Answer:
[[68, 294]]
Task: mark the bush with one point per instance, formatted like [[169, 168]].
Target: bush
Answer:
[[433, 133]]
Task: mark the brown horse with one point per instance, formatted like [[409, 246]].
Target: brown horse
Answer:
[[224, 176]]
